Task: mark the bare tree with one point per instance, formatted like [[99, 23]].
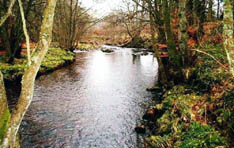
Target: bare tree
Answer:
[[71, 22]]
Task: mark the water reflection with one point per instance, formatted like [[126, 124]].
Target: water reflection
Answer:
[[94, 103]]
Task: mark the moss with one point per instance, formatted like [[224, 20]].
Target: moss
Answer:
[[225, 115], [180, 126], [55, 58], [159, 141], [4, 120], [200, 136]]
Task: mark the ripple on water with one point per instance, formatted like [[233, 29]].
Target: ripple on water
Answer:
[[94, 103]]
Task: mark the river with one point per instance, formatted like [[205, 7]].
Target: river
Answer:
[[94, 103]]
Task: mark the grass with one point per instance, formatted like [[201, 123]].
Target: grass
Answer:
[[56, 57]]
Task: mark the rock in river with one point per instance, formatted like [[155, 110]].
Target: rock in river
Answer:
[[106, 49], [154, 89], [149, 115], [140, 129]]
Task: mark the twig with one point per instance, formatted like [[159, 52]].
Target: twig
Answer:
[[211, 57], [25, 32]]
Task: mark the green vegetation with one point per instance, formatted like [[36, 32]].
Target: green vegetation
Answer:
[[56, 57], [198, 114], [208, 72], [199, 135], [4, 120], [86, 46]]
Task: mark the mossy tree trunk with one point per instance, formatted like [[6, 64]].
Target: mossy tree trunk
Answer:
[[11, 130], [162, 76], [159, 21], [174, 56], [183, 35], [228, 33], [174, 65], [4, 110]]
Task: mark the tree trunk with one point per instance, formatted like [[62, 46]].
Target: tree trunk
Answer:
[[174, 57], [158, 20], [228, 33], [4, 111], [30, 75], [162, 76], [210, 10], [183, 35], [218, 8]]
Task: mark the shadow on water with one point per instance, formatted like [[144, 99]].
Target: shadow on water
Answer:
[[94, 103]]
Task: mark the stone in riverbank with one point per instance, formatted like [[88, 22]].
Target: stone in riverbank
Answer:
[[154, 89], [153, 113], [140, 129], [149, 115]]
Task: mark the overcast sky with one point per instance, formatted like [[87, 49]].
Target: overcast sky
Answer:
[[102, 7]]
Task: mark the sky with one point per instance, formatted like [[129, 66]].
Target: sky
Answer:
[[102, 8]]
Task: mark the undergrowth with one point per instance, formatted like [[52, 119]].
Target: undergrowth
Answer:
[[199, 114]]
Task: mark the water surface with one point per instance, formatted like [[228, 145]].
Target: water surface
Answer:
[[94, 103]]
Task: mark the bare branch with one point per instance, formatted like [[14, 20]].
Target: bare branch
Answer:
[[211, 57], [25, 32], [9, 12]]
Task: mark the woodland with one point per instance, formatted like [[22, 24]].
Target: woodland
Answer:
[[192, 40]]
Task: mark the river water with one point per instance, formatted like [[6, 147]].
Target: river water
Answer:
[[94, 103]]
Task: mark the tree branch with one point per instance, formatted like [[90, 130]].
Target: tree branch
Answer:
[[197, 50], [9, 12], [25, 32]]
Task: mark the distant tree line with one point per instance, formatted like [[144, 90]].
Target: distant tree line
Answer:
[[71, 22]]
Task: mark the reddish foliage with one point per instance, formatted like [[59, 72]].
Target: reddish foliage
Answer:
[[164, 54], [191, 42], [192, 30], [211, 32], [24, 45], [162, 46], [2, 52]]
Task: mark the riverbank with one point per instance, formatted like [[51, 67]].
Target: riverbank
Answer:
[[199, 113], [55, 59]]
